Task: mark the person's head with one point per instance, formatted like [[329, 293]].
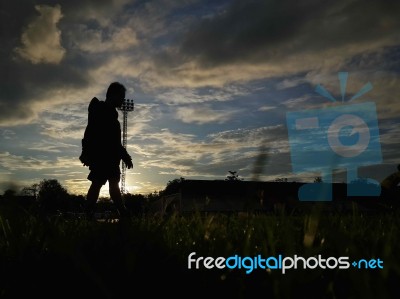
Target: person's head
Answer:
[[116, 94]]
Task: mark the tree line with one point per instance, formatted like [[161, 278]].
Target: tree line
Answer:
[[49, 197]]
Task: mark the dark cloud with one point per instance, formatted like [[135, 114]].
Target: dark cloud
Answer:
[[23, 82], [264, 30], [13, 16]]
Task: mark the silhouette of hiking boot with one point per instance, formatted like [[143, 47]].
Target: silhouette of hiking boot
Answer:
[[315, 192]]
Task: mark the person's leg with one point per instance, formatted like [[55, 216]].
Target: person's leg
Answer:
[[115, 194], [91, 198]]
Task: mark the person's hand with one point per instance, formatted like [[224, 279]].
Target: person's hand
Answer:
[[84, 158], [128, 163], [127, 159]]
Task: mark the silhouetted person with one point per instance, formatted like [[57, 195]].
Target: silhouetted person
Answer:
[[102, 149], [390, 183]]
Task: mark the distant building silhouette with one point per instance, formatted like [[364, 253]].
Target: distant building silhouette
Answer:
[[251, 196]]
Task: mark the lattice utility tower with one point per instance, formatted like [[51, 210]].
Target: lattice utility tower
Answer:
[[126, 107]]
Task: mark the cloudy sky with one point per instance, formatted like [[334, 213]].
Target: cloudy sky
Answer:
[[212, 83]]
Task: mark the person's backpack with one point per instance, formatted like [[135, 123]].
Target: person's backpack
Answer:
[[86, 155]]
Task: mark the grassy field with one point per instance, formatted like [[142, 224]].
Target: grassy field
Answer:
[[57, 257]]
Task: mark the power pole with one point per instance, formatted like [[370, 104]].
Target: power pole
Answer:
[[126, 107]]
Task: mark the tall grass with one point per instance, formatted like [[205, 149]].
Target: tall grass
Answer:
[[57, 257]]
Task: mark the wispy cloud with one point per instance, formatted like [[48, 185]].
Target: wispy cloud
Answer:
[[17, 162], [93, 40], [203, 115]]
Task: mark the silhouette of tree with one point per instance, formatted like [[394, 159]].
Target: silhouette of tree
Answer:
[[172, 187], [233, 176], [52, 196], [154, 196], [9, 193], [284, 180], [32, 190], [9, 196], [318, 179]]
